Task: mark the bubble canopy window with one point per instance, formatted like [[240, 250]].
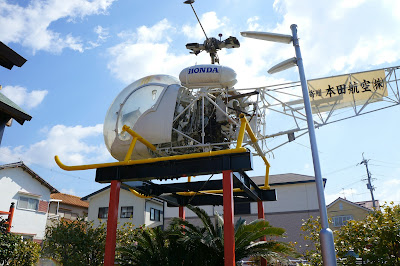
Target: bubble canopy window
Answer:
[[131, 103]]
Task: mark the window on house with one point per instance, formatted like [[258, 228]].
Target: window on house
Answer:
[[154, 214], [28, 203], [127, 212], [67, 215], [341, 220], [27, 237], [103, 213], [242, 208]]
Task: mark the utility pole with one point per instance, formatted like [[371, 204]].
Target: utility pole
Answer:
[[369, 185]]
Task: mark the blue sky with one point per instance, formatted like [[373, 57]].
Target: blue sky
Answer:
[[81, 54]]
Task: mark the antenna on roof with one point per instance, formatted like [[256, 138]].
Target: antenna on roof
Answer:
[[210, 45]]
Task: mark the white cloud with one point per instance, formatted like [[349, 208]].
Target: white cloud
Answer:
[[210, 22], [69, 143], [346, 193], [22, 97], [388, 190], [30, 25], [102, 35], [342, 36], [70, 191], [148, 51], [145, 52]]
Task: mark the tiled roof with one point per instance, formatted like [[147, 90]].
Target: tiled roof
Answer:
[[32, 173], [70, 199], [368, 204], [349, 202]]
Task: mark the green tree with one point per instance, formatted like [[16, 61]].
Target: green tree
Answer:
[[75, 242], [150, 246], [15, 251], [8, 243], [186, 244], [26, 253], [311, 228], [376, 239]]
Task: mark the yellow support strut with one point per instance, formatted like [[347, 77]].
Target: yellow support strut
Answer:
[[244, 127]]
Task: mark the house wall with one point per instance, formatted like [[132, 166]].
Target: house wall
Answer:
[[140, 214], [295, 203], [13, 183], [156, 205], [66, 211], [290, 198], [357, 212]]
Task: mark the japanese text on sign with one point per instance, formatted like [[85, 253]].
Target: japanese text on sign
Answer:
[[347, 90]]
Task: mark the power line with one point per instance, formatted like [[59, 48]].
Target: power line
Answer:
[[350, 166], [397, 164], [385, 166]]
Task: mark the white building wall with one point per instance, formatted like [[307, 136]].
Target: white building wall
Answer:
[[290, 197], [140, 217], [14, 182], [158, 206]]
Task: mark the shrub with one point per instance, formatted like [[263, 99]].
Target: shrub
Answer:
[[15, 251], [75, 242]]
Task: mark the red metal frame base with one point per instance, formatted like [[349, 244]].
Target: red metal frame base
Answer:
[[10, 214], [182, 213], [261, 215], [229, 230], [112, 222]]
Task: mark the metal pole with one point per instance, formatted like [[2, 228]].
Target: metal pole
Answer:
[[112, 222], [229, 230], [369, 185], [260, 208], [326, 235]]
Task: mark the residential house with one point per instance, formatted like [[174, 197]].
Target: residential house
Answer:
[[131, 208], [296, 200], [66, 206], [31, 194], [341, 210]]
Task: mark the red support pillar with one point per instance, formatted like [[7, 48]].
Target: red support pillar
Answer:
[[10, 216], [112, 222], [229, 230], [260, 208], [182, 213], [261, 215]]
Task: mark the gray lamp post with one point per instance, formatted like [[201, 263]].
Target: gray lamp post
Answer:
[[326, 235]]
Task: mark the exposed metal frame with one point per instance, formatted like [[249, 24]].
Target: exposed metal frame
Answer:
[[270, 100]]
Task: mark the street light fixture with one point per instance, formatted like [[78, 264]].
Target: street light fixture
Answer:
[[291, 62], [268, 36], [326, 235]]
